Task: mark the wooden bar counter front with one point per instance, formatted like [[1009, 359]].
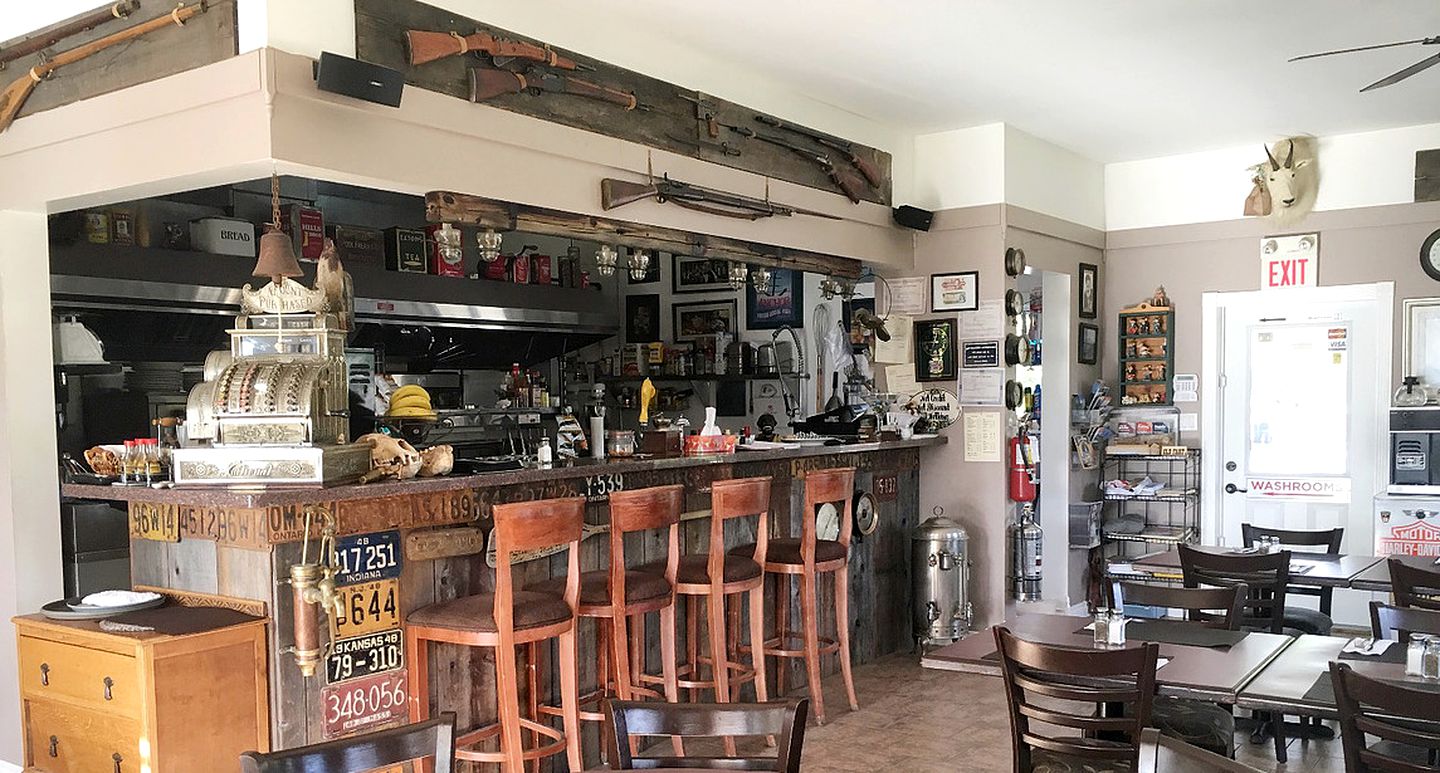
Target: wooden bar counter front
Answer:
[[402, 545]]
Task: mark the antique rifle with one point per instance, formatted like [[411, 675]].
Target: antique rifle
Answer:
[[85, 23], [425, 47], [14, 95], [617, 193], [851, 186], [872, 175], [487, 83]]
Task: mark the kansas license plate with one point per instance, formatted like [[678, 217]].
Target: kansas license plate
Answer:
[[364, 557], [364, 703], [369, 607], [363, 655]]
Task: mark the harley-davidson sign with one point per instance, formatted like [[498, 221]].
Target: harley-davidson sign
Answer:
[[1415, 539], [1334, 490]]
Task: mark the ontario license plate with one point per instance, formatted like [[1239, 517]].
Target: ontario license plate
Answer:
[[364, 557], [598, 488], [364, 703], [363, 656], [369, 607]]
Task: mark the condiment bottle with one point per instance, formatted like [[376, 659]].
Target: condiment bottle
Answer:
[[127, 464], [544, 455]]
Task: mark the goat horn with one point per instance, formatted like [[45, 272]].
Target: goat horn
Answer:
[[1275, 165], [1290, 157]]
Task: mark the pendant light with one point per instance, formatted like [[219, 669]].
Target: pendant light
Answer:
[[489, 243], [277, 252], [761, 277], [738, 275], [606, 258], [639, 264]]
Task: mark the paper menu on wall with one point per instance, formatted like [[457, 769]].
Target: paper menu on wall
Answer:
[[982, 386], [900, 380], [909, 295], [898, 348], [982, 436], [988, 321]]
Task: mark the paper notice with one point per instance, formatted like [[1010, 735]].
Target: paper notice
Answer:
[[899, 347], [910, 295], [982, 386], [900, 379], [988, 321], [982, 436]]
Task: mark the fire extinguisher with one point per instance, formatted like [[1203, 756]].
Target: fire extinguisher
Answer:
[[1026, 545], [1022, 469]]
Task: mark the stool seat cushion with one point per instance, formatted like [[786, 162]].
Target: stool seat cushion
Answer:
[[533, 609], [786, 550], [1309, 621], [695, 570], [594, 592]]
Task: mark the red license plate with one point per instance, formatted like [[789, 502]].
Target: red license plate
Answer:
[[362, 704]]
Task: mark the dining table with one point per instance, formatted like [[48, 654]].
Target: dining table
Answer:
[[1214, 669], [1377, 576], [1316, 570]]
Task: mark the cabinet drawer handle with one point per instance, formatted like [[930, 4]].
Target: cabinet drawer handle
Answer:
[[108, 694], [118, 759], [45, 674], [54, 746]]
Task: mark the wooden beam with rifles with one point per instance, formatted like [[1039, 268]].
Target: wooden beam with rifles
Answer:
[[487, 83], [82, 23], [425, 47], [617, 193], [14, 95]]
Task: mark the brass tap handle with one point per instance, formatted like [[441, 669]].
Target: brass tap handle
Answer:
[[109, 683]]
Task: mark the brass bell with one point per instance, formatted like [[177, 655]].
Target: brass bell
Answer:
[[277, 256]]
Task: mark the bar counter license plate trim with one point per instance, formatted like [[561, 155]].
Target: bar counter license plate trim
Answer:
[[152, 521], [598, 488], [364, 557], [364, 703], [362, 656], [369, 607]]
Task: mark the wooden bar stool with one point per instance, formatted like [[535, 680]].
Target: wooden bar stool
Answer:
[[807, 557], [504, 619], [620, 673]]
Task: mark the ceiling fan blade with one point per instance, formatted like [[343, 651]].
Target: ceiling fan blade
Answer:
[[1359, 48], [1390, 80]]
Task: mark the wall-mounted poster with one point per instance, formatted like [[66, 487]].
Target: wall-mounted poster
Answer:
[[642, 319], [959, 291], [1089, 290], [935, 350], [783, 304], [699, 275], [704, 318]]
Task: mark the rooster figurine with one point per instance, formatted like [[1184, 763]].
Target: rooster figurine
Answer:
[[332, 279]]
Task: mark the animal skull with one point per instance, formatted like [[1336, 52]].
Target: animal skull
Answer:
[[390, 457], [437, 460]]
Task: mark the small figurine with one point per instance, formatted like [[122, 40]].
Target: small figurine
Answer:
[[1142, 350], [1160, 298], [1129, 348], [1132, 327], [1154, 326], [1130, 372]]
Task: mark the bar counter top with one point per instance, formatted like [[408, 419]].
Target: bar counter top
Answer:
[[219, 496]]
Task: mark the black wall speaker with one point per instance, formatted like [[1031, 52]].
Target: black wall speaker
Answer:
[[913, 217], [361, 80]]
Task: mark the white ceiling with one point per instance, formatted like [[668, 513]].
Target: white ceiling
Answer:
[[1111, 79]]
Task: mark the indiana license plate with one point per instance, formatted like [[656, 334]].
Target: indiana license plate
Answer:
[[364, 703], [363, 655], [368, 608], [364, 557]]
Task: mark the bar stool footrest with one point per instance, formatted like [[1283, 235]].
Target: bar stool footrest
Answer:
[[485, 733]]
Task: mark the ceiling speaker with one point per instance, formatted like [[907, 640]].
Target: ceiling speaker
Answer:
[[362, 80], [913, 217]]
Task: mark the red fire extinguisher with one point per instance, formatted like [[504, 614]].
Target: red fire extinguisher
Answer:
[[1022, 468]]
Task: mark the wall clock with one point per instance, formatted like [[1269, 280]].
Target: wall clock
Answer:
[[1430, 255], [867, 517]]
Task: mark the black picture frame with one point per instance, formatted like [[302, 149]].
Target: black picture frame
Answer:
[[935, 344], [1089, 291], [723, 318], [690, 274], [782, 306], [970, 294], [642, 319], [1087, 344], [652, 272]]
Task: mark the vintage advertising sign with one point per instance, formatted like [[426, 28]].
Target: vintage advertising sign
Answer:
[[1419, 538], [1299, 489], [368, 607], [154, 521], [1289, 261], [364, 703], [364, 655], [364, 557]]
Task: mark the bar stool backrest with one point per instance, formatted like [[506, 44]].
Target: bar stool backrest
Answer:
[[1369, 706], [1327, 539], [822, 487], [646, 509], [1411, 586], [1266, 574], [737, 498], [521, 526]]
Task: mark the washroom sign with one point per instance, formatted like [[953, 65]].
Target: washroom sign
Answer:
[[1289, 261]]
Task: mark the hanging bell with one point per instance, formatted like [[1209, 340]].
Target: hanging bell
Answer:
[[277, 256]]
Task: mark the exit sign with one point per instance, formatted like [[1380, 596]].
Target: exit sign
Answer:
[[1289, 261]]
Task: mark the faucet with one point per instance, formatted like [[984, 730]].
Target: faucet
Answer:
[[793, 407]]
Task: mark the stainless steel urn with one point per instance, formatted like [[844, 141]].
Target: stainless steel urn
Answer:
[[940, 548]]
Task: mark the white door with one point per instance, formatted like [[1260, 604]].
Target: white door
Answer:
[[1296, 386]]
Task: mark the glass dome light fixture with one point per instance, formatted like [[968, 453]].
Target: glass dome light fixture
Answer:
[[489, 243], [832, 286], [762, 278], [639, 264], [738, 274], [448, 244], [606, 258]]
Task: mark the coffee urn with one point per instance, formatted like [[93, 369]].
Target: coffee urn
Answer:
[[940, 548]]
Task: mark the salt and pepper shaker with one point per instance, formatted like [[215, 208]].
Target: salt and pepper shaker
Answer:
[[1102, 627], [1430, 661], [1415, 656]]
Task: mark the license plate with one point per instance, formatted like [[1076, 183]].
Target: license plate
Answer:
[[369, 607], [152, 521], [364, 655], [364, 557], [887, 487], [598, 488], [364, 703]]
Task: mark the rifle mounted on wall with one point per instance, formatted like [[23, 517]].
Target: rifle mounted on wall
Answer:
[[848, 183], [425, 47], [845, 147], [617, 193], [83, 23], [487, 83]]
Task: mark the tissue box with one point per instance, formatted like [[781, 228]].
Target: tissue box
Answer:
[[710, 445]]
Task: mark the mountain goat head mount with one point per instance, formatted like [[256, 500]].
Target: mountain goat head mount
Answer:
[[1290, 175]]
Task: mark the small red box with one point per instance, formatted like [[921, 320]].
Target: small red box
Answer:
[[306, 226], [540, 269], [520, 270], [496, 269], [438, 265], [584, 279]]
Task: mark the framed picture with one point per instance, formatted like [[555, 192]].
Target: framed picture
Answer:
[[959, 291], [782, 305], [703, 318], [935, 350], [1089, 290], [699, 275], [642, 319], [652, 272], [1089, 349]]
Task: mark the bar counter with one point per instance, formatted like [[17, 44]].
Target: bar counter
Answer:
[[241, 544]]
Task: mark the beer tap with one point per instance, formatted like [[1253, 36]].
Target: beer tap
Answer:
[[313, 586]]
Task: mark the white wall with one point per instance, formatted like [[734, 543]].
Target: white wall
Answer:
[[960, 168], [1046, 178]]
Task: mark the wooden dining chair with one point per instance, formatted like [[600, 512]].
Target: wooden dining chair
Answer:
[[1215, 607], [1303, 619], [432, 739], [1265, 575], [1386, 620], [1044, 684], [1412, 586], [1372, 707], [784, 720]]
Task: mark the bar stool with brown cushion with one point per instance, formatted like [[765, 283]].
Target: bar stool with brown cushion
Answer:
[[619, 671], [1303, 619], [1412, 586], [501, 621], [807, 557], [1050, 686]]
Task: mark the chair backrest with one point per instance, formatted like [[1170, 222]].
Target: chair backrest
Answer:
[[1059, 678], [737, 498], [537, 525], [1386, 620], [1216, 607], [1163, 754], [1327, 539], [646, 509], [835, 487], [433, 738], [1266, 575], [1368, 706], [1412, 586], [783, 719]]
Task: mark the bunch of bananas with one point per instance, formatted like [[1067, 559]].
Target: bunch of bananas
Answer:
[[410, 402]]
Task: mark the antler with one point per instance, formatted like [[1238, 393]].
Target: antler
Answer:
[[1290, 157], [1275, 165]]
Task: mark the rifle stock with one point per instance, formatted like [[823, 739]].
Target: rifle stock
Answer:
[[36, 44], [872, 175], [425, 46], [617, 193], [487, 83]]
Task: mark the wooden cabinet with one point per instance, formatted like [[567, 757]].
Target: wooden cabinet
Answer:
[[98, 702]]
